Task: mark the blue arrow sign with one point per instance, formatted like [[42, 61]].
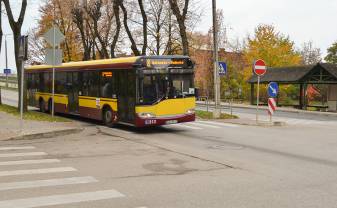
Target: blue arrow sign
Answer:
[[7, 71], [222, 68], [273, 89]]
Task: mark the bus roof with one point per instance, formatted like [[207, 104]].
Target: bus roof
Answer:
[[80, 64], [124, 62]]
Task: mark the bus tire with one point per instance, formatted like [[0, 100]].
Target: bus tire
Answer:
[[41, 106], [108, 117]]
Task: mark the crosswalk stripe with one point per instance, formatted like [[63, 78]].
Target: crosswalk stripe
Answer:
[[36, 171], [204, 125], [21, 154], [46, 183], [16, 148], [24, 162], [185, 126], [60, 199], [219, 124]]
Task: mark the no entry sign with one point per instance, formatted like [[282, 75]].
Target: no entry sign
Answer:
[[259, 67]]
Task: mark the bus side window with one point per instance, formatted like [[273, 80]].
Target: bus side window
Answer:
[[41, 82], [106, 85]]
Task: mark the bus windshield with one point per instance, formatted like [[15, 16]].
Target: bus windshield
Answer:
[[156, 87]]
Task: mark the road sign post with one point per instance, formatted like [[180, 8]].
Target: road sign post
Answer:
[[54, 57], [272, 93], [23, 56], [259, 68]]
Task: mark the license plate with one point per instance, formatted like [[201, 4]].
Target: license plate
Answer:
[[171, 122]]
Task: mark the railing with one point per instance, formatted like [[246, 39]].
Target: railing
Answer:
[[223, 103]]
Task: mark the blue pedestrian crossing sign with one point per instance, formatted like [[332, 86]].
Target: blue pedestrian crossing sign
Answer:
[[222, 68], [7, 71], [273, 89]]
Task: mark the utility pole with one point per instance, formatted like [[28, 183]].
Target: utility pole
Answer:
[[217, 111], [6, 55]]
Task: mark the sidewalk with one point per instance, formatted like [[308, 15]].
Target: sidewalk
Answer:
[[282, 109], [10, 128], [252, 122]]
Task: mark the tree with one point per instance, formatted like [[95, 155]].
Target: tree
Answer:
[[78, 17], [276, 49], [16, 26], [332, 54], [310, 55], [127, 29], [116, 10], [181, 19], [1, 33]]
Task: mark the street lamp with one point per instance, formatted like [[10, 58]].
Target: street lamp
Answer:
[[217, 111]]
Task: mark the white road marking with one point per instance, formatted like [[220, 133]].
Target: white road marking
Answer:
[[204, 125], [23, 154], [60, 199], [46, 183], [17, 148], [25, 162], [36, 171], [219, 124], [184, 126]]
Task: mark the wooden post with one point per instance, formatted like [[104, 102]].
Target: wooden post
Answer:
[[252, 94], [301, 96], [305, 102]]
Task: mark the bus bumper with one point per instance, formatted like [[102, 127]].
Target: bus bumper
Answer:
[[143, 122]]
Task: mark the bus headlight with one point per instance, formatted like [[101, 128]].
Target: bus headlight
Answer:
[[146, 115], [190, 111]]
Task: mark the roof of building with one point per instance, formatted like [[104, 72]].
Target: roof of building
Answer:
[[296, 74]]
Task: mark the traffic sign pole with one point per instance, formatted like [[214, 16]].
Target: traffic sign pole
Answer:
[[259, 68], [257, 99], [53, 81]]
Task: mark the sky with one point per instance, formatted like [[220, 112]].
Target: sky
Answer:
[[302, 20]]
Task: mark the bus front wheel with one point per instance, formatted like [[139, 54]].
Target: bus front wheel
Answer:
[[108, 117]]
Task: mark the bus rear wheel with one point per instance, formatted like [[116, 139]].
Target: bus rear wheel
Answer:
[[108, 117]]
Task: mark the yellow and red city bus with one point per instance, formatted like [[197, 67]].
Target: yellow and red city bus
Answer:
[[139, 91]]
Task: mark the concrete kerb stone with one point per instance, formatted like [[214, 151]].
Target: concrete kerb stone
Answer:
[[49, 134], [298, 111], [254, 123]]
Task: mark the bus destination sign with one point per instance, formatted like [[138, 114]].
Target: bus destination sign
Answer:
[[163, 63]]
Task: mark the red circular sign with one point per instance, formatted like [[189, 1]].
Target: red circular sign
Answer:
[[260, 67]]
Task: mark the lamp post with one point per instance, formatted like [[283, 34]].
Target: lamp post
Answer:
[[216, 112], [6, 57]]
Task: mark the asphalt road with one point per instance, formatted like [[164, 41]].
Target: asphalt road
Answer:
[[200, 164]]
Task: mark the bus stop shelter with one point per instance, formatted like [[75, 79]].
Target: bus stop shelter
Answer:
[[321, 73]]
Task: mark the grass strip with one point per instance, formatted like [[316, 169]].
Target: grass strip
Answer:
[[209, 115], [32, 115]]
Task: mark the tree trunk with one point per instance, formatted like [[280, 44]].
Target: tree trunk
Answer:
[[1, 33], [125, 21], [16, 28], [118, 28], [144, 16], [181, 18]]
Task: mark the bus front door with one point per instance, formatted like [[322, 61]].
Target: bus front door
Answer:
[[126, 97]]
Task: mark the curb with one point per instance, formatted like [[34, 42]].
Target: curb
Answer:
[[328, 114], [46, 134], [266, 124]]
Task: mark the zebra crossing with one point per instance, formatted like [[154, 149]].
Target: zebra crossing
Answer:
[[21, 162], [200, 125]]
